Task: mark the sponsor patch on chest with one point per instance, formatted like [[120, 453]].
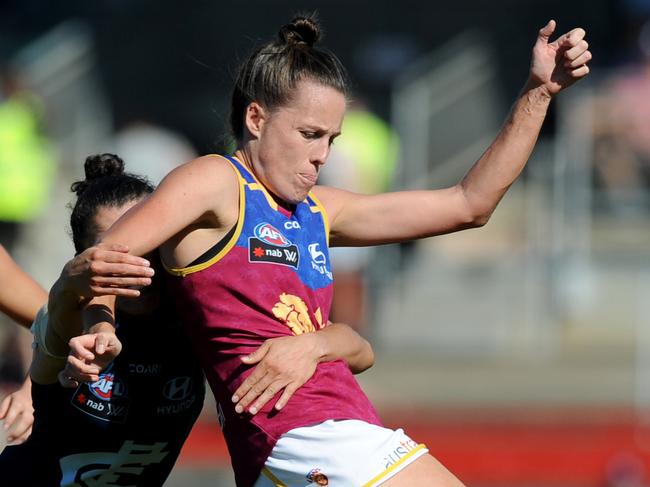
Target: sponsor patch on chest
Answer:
[[269, 245]]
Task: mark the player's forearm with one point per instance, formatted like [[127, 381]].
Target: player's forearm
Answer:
[[44, 368], [99, 315], [20, 295], [50, 352], [500, 165], [339, 341], [64, 309], [22, 306], [71, 315], [54, 330]]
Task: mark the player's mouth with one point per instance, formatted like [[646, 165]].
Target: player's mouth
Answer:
[[310, 179]]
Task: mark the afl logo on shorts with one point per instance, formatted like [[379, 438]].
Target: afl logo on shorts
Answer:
[[271, 235]]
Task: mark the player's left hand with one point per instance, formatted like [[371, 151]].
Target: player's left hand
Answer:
[[106, 269], [17, 413], [283, 364], [557, 65]]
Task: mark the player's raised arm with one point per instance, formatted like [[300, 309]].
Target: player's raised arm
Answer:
[[392, 217]]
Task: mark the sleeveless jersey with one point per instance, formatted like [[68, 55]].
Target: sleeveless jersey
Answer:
[[271, 279], [125, 429]]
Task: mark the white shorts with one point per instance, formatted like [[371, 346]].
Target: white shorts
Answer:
[[339, 454]]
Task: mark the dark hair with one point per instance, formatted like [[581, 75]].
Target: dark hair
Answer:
[[106, 184], [271, 73]]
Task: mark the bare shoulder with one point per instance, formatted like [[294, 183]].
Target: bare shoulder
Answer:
[[212, 167], [210, 175]]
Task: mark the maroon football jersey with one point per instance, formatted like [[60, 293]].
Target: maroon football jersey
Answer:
[[271, 278]]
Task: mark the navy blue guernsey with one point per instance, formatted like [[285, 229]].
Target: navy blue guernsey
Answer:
[[126, 429]]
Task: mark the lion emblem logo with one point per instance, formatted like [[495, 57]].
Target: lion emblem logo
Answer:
[[293, 312]]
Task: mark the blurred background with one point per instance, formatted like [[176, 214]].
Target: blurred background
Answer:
[[520, 352]]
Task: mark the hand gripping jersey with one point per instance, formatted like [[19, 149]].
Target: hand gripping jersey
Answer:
[[125, 429], [272, 278]]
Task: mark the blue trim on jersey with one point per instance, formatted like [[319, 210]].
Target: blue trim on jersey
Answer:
[[297, 241]]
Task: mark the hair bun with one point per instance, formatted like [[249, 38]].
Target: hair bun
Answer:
[[102, 165], [301, 30], [98, 166]]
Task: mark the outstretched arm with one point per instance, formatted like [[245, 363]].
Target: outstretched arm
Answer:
[[394, 217], [20, 295], [285, 364]]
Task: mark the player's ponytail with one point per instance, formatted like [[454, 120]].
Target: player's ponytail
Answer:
[[271, 73], [106, 185]]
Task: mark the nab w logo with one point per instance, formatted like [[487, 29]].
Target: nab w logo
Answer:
[[291, 256], [178, 388], [271, 235]]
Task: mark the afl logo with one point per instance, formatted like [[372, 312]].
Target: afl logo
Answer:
[[103, 388], [271, 235]]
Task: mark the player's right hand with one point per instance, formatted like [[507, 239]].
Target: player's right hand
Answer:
[[89, 355]]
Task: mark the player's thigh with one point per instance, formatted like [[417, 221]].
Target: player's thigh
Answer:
[[425, 471]]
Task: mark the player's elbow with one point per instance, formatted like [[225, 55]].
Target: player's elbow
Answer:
[[365, 358], [480, 219], [472, 217], [470, 210], [476, 212]]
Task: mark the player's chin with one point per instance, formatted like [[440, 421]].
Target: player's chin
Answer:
[[297, 195], [300, 197]]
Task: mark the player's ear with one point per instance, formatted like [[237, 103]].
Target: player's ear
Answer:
[[254, 119]]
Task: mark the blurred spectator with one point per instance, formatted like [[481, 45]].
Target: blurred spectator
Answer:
[[152, 150], [622, 131], [27, 165], [362, 160]]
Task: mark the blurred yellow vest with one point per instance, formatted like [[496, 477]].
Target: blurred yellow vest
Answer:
[[26, 165], [373, 146]]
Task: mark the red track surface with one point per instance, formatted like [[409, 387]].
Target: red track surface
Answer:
[[549, 448]]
